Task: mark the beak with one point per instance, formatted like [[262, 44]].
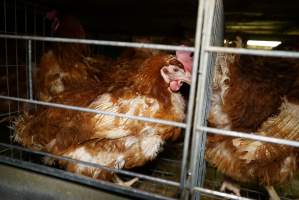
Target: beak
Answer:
[[185, 77]]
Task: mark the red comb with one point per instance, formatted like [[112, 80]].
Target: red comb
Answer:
[[186, 59]]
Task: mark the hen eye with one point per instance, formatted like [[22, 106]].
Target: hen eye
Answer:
[[175, 70], [165, 71]]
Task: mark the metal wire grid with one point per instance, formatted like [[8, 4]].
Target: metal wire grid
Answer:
[[211, 35], [13, 154], [16, 20], [207, 10], [208, 48]]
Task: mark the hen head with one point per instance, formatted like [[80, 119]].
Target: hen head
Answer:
[[175, 74], [65, 25], [162, 71], [53, 17]]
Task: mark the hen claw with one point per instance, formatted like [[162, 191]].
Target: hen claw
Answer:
[[129, 183], [233, 187], [272, 193]]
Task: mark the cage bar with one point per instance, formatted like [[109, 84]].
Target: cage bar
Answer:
[[255, 52], [213, 15], [30, 69], [251, 136], [208, 42], [99, 42], [133, 117], [184, 167]]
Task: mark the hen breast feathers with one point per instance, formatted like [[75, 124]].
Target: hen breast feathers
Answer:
[[107, 140]]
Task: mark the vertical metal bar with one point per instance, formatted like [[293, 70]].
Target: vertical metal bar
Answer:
[[16, 54], [34, 30], [26, 69], [6, 62], [184, 166], [34, 46], [30, 68], [5, 46], [17, 62], [197, 163]]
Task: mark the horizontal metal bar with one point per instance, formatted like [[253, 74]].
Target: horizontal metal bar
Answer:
[[120, 171], [273, 53], [20, 65], [7, 32], [251, 136], [4, 150], [8, 114], [129, 191], [100, 42], [170, 160], [219, 194], [133, 117]]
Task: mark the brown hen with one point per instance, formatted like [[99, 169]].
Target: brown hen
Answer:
[[111, 141], [254, 94]]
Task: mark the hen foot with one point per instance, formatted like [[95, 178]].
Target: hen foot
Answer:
[[129, 183], [233, 187], [272, 193]]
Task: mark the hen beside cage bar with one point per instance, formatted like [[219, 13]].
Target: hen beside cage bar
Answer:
[[179, 171]]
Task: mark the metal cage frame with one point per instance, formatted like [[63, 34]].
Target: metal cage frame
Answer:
[[207, 41]]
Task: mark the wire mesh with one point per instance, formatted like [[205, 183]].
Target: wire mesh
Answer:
[[213, 179], [154, 178], [24, 40], [213, 35]]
